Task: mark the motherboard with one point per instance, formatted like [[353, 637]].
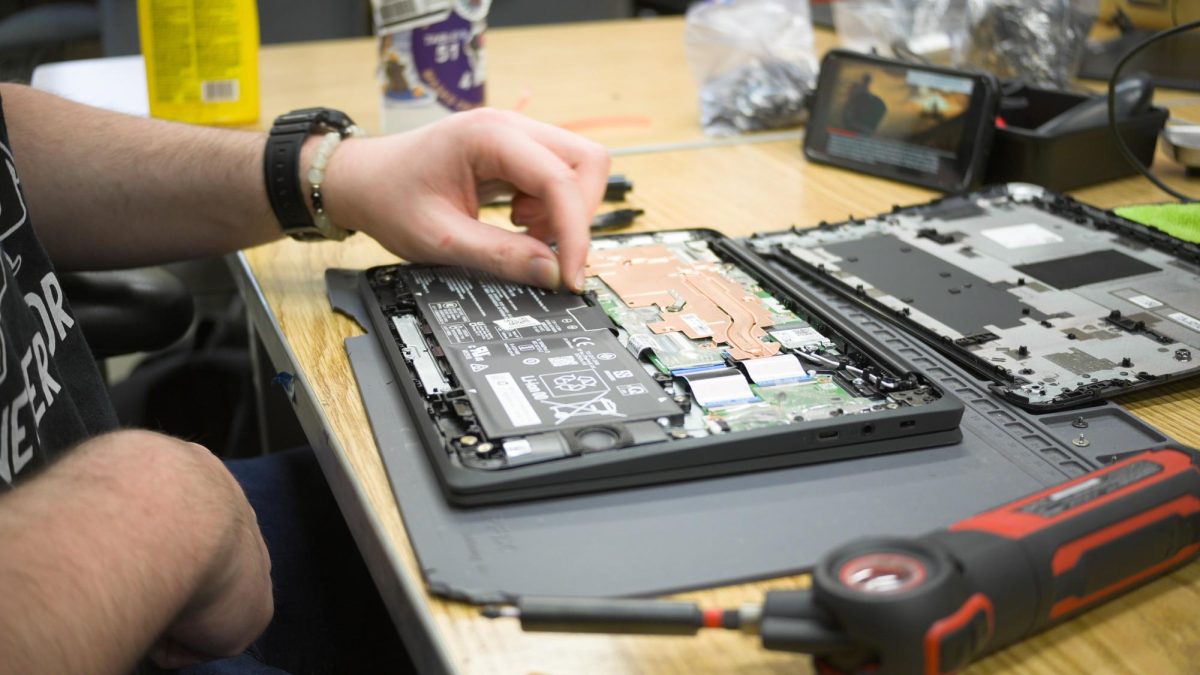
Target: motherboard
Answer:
[[732, 350]]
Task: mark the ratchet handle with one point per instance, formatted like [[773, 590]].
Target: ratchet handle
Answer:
[[933, 604], [1082, 542]]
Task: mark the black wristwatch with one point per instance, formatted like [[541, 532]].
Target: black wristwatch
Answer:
[[281, 167]]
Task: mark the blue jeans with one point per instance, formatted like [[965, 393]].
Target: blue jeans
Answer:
[[328, 615]]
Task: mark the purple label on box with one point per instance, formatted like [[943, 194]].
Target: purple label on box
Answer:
[[448, 57]]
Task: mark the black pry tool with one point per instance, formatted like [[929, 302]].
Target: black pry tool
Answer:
[[617, 187], [933, 604], [499, 192], [616, 219]]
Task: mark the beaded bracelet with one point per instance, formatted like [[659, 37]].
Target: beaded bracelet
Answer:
[[316, 176]]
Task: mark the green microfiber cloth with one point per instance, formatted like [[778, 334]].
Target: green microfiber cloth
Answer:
[[1181, 221]]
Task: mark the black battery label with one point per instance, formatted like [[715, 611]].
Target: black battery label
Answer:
[[531, 360]]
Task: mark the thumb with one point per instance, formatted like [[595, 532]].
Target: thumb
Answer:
[[509, 255]]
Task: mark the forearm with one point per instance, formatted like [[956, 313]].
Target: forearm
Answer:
[[125, 191], [106, 190], [101, 552]]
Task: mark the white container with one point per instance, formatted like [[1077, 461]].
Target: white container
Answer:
[[431, 59]]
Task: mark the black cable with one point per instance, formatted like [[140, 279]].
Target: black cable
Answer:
[[1112, 107]]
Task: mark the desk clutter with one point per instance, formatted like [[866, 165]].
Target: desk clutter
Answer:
[[1032, 394], [936, 603], [689, 355], [713, 410], [955, 130], [825, 372], [796, 391], [962, 96]]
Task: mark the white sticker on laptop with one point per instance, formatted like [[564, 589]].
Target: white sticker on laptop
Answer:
[[1145, 301], [509, 393], [775, 369], [516, 322], [1021, 236], [1185, 319], [799, 338], [718, 388], [515, 447]]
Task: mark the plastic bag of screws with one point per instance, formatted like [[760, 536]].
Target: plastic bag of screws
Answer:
[[1038, 42], [753, 61]]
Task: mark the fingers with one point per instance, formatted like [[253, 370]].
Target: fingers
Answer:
[[510, 255], [525, 209], [530, 213], [590, 160], [560, 177], [541, 174]]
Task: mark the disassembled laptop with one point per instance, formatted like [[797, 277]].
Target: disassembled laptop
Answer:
[[1058, 302], [674, 344], [691, 354]]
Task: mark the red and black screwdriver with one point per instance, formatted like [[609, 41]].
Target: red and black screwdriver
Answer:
[[933, 604]]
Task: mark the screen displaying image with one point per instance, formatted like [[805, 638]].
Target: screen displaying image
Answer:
[[897, 116]]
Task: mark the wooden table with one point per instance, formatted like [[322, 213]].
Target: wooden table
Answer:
[[625, 84], [738, 189]]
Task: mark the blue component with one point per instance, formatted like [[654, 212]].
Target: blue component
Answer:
[[784, 380], [682, 372]]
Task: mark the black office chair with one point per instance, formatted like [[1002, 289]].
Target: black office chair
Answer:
[[195, 380], [129, 311], [37, 34]]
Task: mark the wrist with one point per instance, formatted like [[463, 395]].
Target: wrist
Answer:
[[342, 205], [333, 186], [294, 163], [307, 152]]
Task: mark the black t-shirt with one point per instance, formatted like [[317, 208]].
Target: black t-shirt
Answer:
[[51, 392]]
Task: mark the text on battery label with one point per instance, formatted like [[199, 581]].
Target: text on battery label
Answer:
[[448, 312]]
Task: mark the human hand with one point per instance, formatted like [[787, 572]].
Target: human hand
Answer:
[[232, 603], [418, 194]]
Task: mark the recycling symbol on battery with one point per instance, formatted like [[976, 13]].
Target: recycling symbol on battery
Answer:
[[573, 383]]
